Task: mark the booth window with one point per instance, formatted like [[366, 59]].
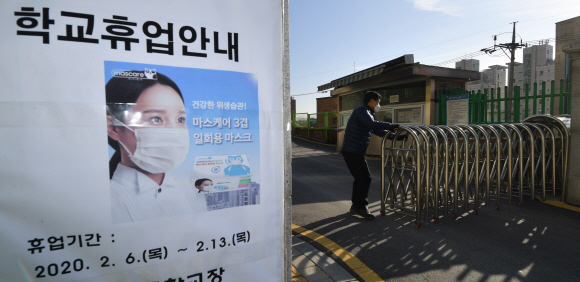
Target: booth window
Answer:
[[403, 115], [351, 101], [409, 115], [403, 94], [386, 116], [344, 118]]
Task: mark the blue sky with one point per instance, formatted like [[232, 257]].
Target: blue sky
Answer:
[[334, 38]]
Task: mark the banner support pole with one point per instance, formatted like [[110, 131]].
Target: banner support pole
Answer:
[[287, 127]]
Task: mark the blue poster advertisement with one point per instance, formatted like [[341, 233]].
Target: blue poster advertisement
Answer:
[[181, 140]]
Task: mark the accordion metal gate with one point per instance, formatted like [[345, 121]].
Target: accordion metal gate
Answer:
[[443, 170]]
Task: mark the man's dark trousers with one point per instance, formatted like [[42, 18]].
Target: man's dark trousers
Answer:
[[359, 168]]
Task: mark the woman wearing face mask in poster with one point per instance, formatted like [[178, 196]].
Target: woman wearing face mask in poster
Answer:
[[202, 184], [147, 129]]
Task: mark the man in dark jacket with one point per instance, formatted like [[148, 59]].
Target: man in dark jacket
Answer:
[[357, 137]]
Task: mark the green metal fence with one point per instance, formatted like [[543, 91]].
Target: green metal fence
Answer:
[[490, 106], [311, 123]]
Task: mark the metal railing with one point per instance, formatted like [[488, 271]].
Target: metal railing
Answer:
[[490, 106], [444, 169], [326, 121]]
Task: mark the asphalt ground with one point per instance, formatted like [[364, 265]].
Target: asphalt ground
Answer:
[[532, 242]]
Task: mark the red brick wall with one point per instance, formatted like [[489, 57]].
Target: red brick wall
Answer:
[[327, 104], [301, 132], [317, 135], [324, 105]]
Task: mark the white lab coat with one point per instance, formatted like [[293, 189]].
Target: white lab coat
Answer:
[[136, 197]]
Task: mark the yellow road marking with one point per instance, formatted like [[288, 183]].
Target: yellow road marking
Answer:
[[313, 141], [297, 276], [353, 262], [560, 205]]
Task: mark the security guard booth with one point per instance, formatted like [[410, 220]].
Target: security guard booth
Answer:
[[408, 91]]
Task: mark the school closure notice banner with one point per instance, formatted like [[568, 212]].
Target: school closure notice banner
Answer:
[[141, 141]]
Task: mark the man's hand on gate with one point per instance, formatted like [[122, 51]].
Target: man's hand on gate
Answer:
[[403, 137]]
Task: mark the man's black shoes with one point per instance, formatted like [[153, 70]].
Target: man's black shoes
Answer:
[[352, 209], [362, 212]]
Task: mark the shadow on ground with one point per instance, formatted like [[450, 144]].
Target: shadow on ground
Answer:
[[533, 242]]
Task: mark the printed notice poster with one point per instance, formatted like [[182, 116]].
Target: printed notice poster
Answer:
[[458, 110], [142, 141]]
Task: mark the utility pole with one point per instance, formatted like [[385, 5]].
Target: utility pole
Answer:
[[510, 93], [512, 56]]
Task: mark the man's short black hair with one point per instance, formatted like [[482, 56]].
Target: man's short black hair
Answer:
[[371, 95]]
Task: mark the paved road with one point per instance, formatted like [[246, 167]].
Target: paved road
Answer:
[[533, 242]]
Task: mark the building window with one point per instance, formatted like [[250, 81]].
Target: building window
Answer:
[[344, 119], [386, 116], [351, 101], [412, 115], [541, 72]]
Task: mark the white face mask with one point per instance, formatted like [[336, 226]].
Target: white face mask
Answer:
[[377, 107], [205, 189], [159, 149]]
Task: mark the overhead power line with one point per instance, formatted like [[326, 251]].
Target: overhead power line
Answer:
[[318, 92], [527, 43], [457, 59]]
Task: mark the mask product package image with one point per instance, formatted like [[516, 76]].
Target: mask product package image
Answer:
[[226, 172]]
